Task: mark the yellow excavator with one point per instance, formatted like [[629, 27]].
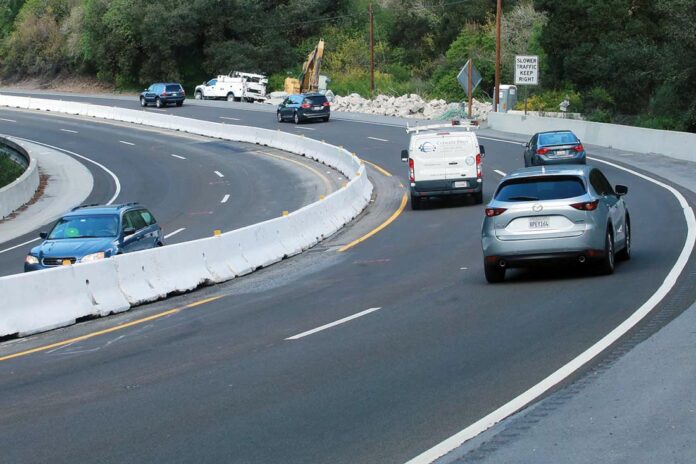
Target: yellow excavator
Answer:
[[309, 79]]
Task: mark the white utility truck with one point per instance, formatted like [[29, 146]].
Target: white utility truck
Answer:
[[236, 86], [444, 160]]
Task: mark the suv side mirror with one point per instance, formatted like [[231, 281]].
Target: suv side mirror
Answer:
[[128, 231], [621, 190], [482, 150], [43, 235], [404, 155]]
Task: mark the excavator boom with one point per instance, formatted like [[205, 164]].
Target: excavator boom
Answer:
[[309, 79]]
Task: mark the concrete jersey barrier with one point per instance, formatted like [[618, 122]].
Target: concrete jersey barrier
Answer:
[[679, 145], [22, 190], [44, 300]]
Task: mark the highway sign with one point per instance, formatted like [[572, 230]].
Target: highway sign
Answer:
[[526, 70], [463, 77]]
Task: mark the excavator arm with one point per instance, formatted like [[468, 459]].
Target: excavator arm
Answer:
[[309, 78]]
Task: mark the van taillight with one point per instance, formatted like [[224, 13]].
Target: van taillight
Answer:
[[586, 206], [305, 105], [490, 212], [411, 173], [478, 165], [326, 104]]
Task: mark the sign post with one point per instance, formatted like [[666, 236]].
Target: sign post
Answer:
[[469, 78], [526, 73]]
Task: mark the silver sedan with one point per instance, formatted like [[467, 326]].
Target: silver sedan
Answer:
[[554, 214]]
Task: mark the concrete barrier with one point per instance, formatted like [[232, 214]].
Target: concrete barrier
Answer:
[[679, 145], [22, 190], [57, 297]]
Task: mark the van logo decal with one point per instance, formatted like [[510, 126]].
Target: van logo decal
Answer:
[[470, 160], [427, 147]]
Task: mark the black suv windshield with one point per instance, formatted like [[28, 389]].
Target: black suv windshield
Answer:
[[541, 188], [85, 227], [315, 100]]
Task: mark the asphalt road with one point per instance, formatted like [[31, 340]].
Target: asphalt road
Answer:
[[222, 382], [192, 185]]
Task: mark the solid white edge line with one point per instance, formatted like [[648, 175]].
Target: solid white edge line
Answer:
[[378, 139], [499, 172], [68, 130], [225, 198], [333, 324], [20, 245], [113, 176], [178, 156], [126, 143], [171, 234], [7, 120], [219, 174], [561, 374]]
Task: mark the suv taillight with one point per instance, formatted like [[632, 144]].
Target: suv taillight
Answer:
[[491, 212], [411, 172], [586, 206]]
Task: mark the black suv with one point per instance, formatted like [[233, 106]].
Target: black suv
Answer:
[[302, 107], [163, 94]]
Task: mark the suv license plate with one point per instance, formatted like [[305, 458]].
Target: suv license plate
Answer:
[[461, 183], [541, 222]]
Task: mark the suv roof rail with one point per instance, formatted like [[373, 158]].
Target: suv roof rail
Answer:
[[87, 205], [455, 123]]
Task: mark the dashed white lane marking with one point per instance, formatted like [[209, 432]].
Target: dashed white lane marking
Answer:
[[333, 324], [230, 119], [378, 139], [219, 174], [516, 404], [225, 198], [501, 140], [71, 131], [499, 172], [304, 128], [177, 156], [171, 234], [20, 245], [126, 143], [7, 120]]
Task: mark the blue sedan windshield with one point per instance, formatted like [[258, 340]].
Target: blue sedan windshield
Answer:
[[85, 227]]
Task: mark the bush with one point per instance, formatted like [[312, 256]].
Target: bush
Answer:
[[599, 116], [598, 99], [550, 100], [9, 171]]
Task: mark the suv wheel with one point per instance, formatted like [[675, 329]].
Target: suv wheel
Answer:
[[606, 266], [158, 103], [625, 253], [143, 102], [296, 118], [494, 273]]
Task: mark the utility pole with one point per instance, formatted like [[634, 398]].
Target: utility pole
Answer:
[[498, 14], [372, 54]]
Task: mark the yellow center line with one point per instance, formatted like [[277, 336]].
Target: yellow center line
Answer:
[[327, 182], [380, 169], [109, 330], [391, 219]]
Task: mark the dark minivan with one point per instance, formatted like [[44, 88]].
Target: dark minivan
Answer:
[[163, 94], [299, 108]]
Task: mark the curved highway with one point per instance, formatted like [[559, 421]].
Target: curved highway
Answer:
[[374, 354], [193, 185]]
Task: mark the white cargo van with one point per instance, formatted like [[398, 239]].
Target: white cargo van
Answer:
[[444, 160]]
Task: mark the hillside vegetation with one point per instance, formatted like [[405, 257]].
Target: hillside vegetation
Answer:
[[626, 61]]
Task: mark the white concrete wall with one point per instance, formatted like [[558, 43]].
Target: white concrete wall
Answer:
[[22, 190], [44, 300], [679, 145]]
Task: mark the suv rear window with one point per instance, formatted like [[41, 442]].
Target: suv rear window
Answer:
[[541, 188], [174, 88], [315, 100]]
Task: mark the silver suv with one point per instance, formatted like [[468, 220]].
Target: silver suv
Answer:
[[555, 213]]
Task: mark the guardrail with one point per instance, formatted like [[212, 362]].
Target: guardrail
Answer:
[[44, 300], [679, 145], [22, 190]]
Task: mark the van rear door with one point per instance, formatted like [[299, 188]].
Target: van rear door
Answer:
[[459, 152], [428, 162]]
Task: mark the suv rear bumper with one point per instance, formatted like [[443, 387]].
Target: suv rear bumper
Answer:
[[435, 188]]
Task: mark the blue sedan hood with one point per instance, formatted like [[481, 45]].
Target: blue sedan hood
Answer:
[[73, 247]]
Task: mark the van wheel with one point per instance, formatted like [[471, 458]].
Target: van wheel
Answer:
[[625, 253], [296, 118], [416, 202], [180, 103], [478, 198], [143, 102], [606, 265], [326, 119], [494, 273]]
